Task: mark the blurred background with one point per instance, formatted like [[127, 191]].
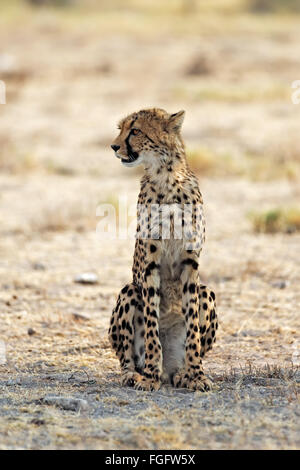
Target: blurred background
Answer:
[[72, 69]]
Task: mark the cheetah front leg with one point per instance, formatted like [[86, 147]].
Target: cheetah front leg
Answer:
[[208, 319], [121, 332], [192, 375], [151, 300]]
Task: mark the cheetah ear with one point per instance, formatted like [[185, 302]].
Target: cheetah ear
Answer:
[[175, 121]]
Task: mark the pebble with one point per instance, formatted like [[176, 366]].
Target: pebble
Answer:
[[66, 403], [280, 284], [79, 316], [31, 331], [86, 278], [38, 267], [254, 333]]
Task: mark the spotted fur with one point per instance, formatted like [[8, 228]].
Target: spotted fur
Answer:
[[165, 320]]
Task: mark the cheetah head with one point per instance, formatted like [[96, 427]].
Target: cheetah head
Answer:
[[147, 137]]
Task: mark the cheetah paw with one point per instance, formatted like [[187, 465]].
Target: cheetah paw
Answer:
[[130, 378], [184, 379], [148, 385]]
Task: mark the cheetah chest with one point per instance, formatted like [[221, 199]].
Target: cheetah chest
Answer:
[[171, 257]]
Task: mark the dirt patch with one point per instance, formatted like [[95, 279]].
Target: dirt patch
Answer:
[[245, 410]]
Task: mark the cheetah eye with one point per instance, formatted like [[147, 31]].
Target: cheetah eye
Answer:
[[136, 131]]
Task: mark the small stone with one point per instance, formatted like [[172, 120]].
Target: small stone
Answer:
[[254, 333], [66, 403], [39, 266], [31, 331], [86, 278], [79, 316], [280, 284]]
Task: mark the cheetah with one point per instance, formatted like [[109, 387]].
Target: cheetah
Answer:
[[165, 320]]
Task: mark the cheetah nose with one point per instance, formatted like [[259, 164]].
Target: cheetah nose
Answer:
[[115, 147]]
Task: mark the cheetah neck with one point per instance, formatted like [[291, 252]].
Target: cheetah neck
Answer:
[[170, 173]]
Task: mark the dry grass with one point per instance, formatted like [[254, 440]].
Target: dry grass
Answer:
[[265, 167], [233, 93], [77, 216], [254, 365], [205, 162], [179, 16], [12, 162], [276, 220], [274, 6]]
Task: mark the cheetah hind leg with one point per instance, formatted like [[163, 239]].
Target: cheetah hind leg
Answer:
[[127, 322]]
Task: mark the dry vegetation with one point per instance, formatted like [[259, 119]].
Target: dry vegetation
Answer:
[[72, 71], [276, 220]]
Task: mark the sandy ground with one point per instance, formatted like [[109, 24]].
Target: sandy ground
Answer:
[[65, 93]]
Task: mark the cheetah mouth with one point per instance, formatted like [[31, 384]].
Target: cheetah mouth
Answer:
[[131, 160], [132, 157]]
